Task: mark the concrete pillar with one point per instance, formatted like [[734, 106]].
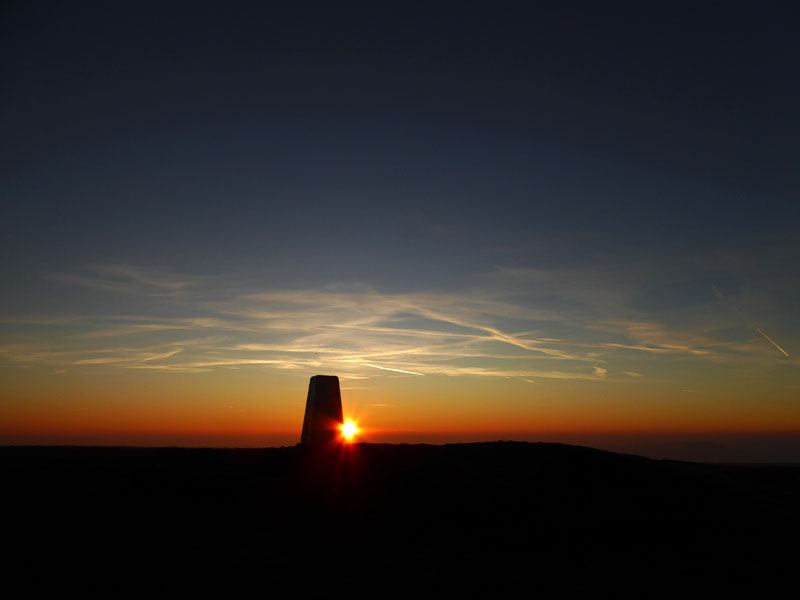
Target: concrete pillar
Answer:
[[323, 417]]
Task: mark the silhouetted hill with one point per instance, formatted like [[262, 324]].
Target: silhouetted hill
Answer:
[[463, 517]]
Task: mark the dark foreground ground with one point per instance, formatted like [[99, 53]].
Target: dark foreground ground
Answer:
[[384, 519]]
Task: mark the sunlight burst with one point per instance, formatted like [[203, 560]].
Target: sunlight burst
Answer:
[[349, 431]]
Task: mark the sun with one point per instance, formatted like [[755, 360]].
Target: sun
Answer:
[[349, 431]]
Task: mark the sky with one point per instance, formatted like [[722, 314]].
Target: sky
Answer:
[[490, 220]]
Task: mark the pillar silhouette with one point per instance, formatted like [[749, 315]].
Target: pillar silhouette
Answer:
[[323, 418]]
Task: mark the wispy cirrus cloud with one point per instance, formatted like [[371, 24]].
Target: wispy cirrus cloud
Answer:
[[128, 279], [517, 323]]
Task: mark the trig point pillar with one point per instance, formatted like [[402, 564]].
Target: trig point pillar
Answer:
[[323, 418]]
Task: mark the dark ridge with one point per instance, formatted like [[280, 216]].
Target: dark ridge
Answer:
[[458, 517]]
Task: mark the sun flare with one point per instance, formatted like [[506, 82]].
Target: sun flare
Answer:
[[349, 431]]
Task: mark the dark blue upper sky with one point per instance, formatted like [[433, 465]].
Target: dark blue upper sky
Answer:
[[400, 145]]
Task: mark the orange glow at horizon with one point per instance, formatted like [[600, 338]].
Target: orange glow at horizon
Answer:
[[237, 409]]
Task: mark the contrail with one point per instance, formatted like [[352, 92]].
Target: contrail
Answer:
[[766, 337], [727, 302], [389, 369], [769, 339]]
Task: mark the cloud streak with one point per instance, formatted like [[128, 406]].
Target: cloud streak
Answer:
[[128, 279], [503, 328], [771, 341]]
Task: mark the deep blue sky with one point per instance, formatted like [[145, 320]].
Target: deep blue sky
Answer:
[[347, 142]]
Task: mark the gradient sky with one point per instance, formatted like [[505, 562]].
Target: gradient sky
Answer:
[[488, 220]]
